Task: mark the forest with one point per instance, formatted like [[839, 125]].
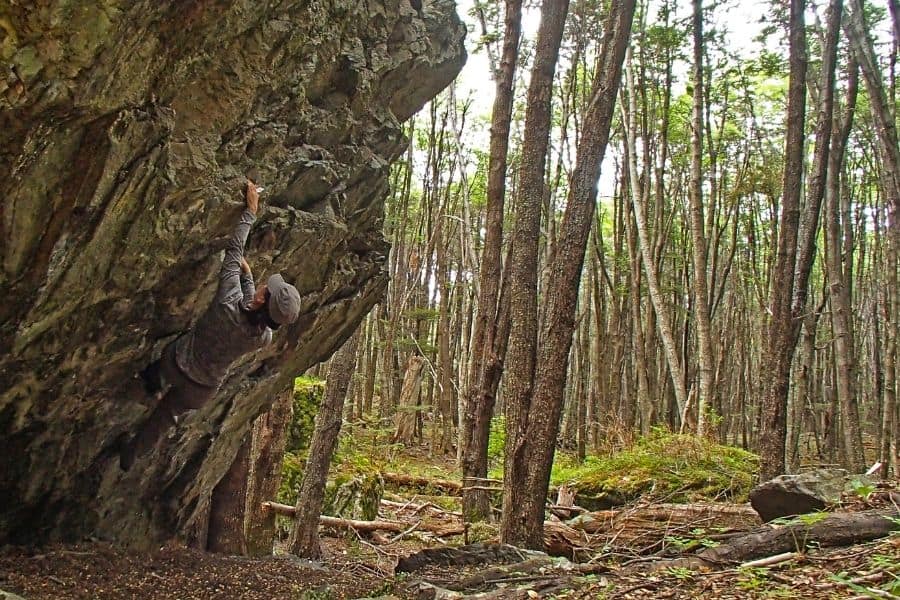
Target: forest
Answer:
[[633, 334]]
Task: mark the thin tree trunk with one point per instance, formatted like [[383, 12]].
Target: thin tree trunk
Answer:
[[267, 450], [796, 243], [480, 404], [839, 287], [515, 527], [639, 344], [371, 362], [698, 234], [405, 419], [523, 524], [227, 507], [444, 382], [659, 304], [886, 129], [304, 540]]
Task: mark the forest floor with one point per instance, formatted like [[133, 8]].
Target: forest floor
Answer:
[[98, 571], [624, 556]]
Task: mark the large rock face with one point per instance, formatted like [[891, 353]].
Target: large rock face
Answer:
[[126, 129]]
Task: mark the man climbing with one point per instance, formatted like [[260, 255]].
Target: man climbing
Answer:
[[240, 320]]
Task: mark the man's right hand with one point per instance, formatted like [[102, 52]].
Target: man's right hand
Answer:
[[252, 197]]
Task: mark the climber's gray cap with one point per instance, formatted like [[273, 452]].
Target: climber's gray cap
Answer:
[[284, 300]]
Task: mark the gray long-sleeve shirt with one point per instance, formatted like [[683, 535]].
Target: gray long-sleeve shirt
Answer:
[[223, 333]]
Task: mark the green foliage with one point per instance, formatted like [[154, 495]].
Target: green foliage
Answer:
[[808, 519], [478, 181], [752, 578], [680, 573], [863, 489], [885, 562], [480, 531], [891, 589], [422, 313], [291, 478], [687, 544], [308, 394], [681, 468], [408, 343], [497, 439], [320, 593], [679, 543]]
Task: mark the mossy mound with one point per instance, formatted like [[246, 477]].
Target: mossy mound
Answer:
[[663, 466], [308, 395]]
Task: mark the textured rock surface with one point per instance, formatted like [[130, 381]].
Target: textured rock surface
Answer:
[[789, 495], [125, 131]]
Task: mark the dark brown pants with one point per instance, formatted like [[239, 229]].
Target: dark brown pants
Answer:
[[180, 394]]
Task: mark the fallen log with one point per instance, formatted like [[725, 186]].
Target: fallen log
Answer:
[[398, 527], [836, 529], [644, 527], [290, 511], [417, 508], [447, 485], [473, 554], [563, 540]]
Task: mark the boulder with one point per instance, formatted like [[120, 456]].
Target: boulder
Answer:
[[126, 132], [789, 495]]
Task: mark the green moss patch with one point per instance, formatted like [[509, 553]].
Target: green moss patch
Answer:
[[663, 466], [308, 395]]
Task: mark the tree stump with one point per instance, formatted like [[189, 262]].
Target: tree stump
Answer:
[[356, 498]]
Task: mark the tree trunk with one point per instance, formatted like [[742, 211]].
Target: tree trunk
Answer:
[[405, 420], [882, 113], [371, 363], [523, 521], [698, 235], [227, 507], [639, 344], [445, 387], [839, 287], [523, 276], [304, 540], [796, 243], [267, 452], [676, 369], [802, 390]]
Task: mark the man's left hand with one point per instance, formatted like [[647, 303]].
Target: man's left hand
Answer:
[[245, 266]]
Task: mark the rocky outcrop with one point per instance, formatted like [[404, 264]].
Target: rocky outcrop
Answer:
[[126, 130]]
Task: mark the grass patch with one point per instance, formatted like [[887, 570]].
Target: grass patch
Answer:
[[669, 467]]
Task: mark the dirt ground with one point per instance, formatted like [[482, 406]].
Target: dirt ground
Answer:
[[360, 566], [98, 571]]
